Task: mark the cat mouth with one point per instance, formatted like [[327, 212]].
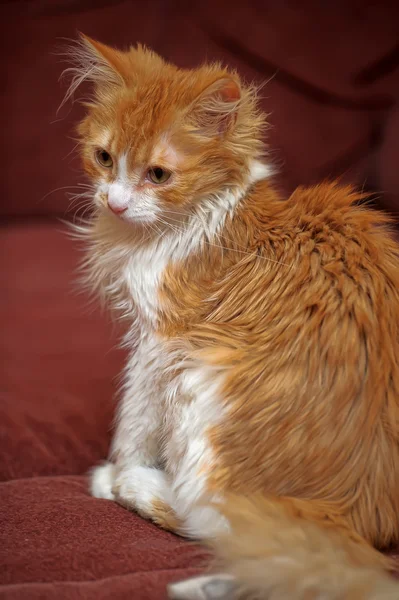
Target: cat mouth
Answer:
[[130, 217]]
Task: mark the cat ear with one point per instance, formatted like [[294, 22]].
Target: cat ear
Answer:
[[93, 61], [215, 110], [109, 62]]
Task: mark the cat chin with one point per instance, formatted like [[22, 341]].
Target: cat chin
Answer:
[[139, 221], [136, 221]]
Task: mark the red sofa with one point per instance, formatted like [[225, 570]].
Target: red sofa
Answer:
[[333, 99]]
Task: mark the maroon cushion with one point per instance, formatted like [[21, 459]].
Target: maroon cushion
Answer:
[[58, 542]]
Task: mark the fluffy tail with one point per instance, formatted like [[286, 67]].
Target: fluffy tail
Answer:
[[288, 548], [291, 549]]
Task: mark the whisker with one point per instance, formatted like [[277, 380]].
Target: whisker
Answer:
[[80, 208], [81, 216], [235, 243], [88, 193], [175, 212], [65, 187], [212, 244], [79, 200], [277, 262], [72, 150], [154, 228]]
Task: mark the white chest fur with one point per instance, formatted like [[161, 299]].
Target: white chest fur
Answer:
[[144, 268]]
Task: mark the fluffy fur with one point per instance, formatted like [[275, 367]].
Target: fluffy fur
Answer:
[[264, 336]]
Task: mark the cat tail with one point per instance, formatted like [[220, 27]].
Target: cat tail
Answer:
[[283, 548]]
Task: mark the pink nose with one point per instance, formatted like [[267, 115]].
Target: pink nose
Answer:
[[117, 209]]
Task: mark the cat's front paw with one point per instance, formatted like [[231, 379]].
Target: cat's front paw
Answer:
[[102, 481], [137, 488]]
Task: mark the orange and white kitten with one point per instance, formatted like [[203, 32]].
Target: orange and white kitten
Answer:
[[260, 402]]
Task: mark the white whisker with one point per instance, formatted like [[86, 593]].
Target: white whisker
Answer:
[[209, 243], [65, 187]]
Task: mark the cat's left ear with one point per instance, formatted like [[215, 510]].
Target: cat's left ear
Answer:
[[215, 110]]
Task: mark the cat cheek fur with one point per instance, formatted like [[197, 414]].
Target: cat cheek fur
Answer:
[[264, 336]]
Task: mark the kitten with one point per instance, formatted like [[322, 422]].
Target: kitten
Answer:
[[260, 402]]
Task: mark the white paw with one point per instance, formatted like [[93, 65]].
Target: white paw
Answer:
[[205, 587], [102, 481], [138, 487]]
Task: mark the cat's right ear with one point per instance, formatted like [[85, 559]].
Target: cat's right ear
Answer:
[[97, 63]]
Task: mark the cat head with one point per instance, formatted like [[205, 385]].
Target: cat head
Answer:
[[157, 140]]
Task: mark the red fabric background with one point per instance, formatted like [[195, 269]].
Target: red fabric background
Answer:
[[332, 91]]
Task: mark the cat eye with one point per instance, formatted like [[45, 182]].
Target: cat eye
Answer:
[[158, 175], [104, 159]]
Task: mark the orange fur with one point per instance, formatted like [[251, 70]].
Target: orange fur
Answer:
[[295, 301], [255, 553], [164, 516], [183, 103], [316, 333]]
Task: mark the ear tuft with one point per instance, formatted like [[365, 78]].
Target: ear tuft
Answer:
[[95, 62]]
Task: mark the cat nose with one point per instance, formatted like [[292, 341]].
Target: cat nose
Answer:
[[118, 198], [117, 210]]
